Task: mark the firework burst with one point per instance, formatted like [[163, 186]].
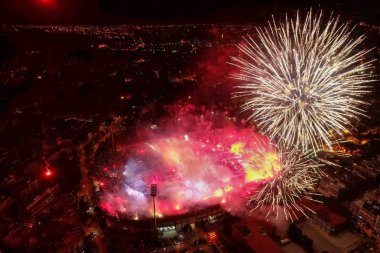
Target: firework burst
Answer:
[[294, 181], [303, 80]]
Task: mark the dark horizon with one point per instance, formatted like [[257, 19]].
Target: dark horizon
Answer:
[[102, 12]]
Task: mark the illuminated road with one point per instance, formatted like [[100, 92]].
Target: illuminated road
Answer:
[[87, 193], [87, 189]]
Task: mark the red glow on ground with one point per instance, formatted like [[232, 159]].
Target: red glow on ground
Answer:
[[48, 173], [47, 3]]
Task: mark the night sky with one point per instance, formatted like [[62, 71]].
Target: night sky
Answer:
[[169, 11]]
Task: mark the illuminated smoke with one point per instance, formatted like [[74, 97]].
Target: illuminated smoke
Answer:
[[197, 160]]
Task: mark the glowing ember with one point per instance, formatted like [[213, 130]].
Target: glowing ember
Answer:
[[46, 2]]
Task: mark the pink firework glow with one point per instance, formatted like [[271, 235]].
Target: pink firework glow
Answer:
[[197, 158]]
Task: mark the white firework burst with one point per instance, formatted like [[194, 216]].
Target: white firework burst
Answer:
[[295, 181], [303, 80]]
